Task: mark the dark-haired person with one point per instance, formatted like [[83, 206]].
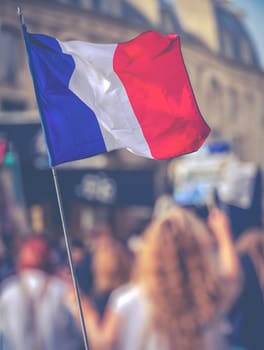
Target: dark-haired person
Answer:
[[247, 314]]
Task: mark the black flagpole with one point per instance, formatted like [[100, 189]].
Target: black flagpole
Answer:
[[66, 236]]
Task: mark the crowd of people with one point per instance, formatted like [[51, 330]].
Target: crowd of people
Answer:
[[185, 284]]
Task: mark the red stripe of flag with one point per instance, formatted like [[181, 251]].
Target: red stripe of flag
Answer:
[[152, 70]]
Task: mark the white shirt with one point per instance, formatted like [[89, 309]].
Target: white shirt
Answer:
[[132, 308], [131, 305], [32, 311]]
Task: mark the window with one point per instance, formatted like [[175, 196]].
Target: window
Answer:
[[215, 95], [10, 57], [245, 51], [87, 4], [167, 18], [108, 7], [9, 105], [250, 105], [214, 103], [233, 104], [167, 22], [228, 45]]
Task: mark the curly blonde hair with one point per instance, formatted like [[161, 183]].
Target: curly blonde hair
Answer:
[[177, 268], [251, 243]]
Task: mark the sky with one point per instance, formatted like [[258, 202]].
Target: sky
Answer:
[[254, 21]]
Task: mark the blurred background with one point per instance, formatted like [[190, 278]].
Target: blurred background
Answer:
[[221, 47], [109, 199]]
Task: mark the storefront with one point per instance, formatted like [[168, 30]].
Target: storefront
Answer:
[[120, 198]]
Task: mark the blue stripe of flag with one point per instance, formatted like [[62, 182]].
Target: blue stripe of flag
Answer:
[[71, 128]]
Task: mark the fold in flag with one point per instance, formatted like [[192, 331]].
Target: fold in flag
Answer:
[[94, 98]]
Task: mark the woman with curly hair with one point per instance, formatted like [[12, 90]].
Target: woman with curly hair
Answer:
[[178, 298]]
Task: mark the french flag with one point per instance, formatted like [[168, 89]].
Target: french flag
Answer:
[[94, 98]]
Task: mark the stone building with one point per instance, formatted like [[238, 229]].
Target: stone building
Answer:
[[220, 56]]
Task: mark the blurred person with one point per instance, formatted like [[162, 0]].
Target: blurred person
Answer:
[[163, 203], [111, 266], [251, 244], [82, 261], [6, 261], [112, 262], [101, 233], [179, 297], [247, 314], [33, 312]]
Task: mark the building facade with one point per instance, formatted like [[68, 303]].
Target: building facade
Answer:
[[221, 59]]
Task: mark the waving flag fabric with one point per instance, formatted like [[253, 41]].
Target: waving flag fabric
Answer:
[[94, 98]]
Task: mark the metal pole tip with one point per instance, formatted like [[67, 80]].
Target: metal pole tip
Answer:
[[20, 14]]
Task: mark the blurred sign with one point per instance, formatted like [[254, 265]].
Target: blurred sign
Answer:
[[111, 187], [237, 184], [196, 177], [97, 187]]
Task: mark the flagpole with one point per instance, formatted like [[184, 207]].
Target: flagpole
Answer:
[[66, 236], [20, 15], [67, 242]]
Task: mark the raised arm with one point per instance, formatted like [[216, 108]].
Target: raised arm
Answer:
[[228, 260]]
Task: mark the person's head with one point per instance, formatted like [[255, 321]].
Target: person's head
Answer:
[[35, 253], [175, 266], [111, 265], [78, 251]]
